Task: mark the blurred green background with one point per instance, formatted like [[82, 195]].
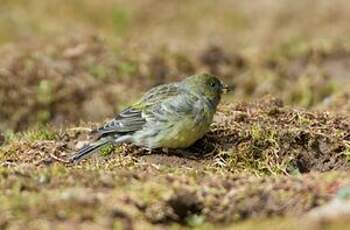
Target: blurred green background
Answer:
[[66, 61]]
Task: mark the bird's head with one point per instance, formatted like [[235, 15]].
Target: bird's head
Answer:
[[206, 85]]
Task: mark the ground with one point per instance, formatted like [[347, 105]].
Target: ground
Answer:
[[277, 153]]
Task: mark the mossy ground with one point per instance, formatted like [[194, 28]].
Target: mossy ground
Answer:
[[260, 160], [277, 152]]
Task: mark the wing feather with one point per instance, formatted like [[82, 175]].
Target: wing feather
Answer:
[[133, 118]]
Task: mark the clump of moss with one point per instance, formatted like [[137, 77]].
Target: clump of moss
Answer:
[[40, 134], [106, 150]]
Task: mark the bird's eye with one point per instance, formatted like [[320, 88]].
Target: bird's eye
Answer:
[[212, 84]]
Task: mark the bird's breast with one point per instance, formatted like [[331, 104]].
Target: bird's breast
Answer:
[[179, 133]]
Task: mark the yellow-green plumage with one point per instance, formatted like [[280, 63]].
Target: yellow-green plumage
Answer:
[[174, 115], [184, 133]]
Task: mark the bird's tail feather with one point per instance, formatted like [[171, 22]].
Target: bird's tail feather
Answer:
[[89, 149]]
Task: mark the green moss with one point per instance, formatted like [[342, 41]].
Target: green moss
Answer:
[[44, 133], [106, 149]]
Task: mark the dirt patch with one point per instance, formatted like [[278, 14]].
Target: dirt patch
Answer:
[[171, 160], [148, 196], [274, 139]]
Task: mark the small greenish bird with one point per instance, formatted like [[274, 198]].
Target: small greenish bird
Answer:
[[168, 116]]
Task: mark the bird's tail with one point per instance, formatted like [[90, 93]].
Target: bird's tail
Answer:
[[89, 149]]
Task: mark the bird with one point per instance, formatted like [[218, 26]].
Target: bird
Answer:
[[168, 116]]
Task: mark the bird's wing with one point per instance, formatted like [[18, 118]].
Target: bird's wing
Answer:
[[158, 94], [133, 118], [129, 120]]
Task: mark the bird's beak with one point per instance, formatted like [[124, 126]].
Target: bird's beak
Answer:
[[226, 88]]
